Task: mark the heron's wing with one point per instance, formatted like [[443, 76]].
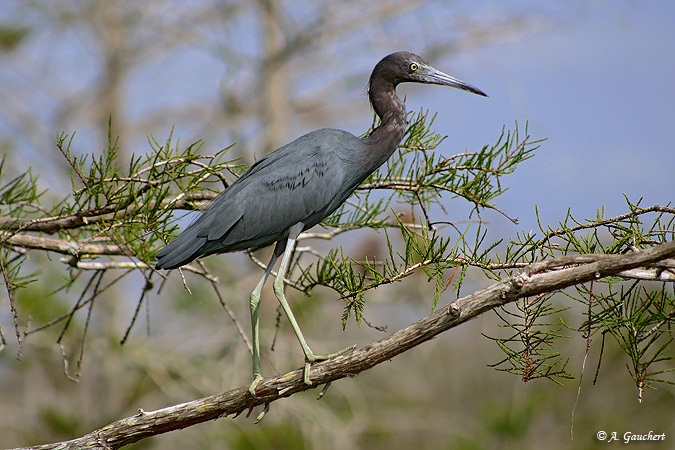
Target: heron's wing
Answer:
[[303, 181]]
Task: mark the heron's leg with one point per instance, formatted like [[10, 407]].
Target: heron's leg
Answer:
[[310, 357], [255, 322]]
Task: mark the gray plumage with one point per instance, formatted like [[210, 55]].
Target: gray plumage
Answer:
[[306, 180], [303, 181]]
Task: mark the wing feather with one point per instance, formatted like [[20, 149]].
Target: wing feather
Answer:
[[302, 182]]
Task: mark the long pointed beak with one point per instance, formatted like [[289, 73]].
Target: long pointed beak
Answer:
[[434, 76]]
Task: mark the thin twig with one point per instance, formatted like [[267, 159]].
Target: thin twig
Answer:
[[12, 307]]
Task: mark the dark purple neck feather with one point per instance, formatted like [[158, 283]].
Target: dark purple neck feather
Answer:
[[392, 113]]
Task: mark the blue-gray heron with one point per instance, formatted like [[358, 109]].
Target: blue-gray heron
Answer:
[[300, 184]]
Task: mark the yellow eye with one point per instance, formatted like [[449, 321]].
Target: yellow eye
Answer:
[[413, 67]]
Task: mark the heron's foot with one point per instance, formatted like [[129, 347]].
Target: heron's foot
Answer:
[[257, 378], [312, 358]]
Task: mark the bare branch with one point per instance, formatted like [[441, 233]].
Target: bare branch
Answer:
[[63, 246], [90, 217], [648, 274]]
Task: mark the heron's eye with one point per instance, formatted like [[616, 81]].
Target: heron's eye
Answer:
[[413, 67]]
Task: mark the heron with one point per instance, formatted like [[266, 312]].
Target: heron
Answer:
[[298, 185]]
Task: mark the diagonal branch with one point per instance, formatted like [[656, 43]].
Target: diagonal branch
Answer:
[[537, 280]]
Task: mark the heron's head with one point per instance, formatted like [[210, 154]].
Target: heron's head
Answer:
[[406, 67]]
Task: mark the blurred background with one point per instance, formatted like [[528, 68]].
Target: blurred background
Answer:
[[595, 78]]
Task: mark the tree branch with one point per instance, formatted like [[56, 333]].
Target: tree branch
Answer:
[[536, 279], [63, 246], [90, 217]]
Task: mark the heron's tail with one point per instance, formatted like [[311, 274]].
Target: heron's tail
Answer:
[[182, 250]]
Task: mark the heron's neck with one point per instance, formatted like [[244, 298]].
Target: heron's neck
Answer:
[[393, 122]]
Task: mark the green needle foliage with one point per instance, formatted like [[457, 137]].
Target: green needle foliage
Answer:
[[118, 213], [639, 316], [530, 351]]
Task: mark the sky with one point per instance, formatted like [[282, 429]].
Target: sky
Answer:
[[600, 88]]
